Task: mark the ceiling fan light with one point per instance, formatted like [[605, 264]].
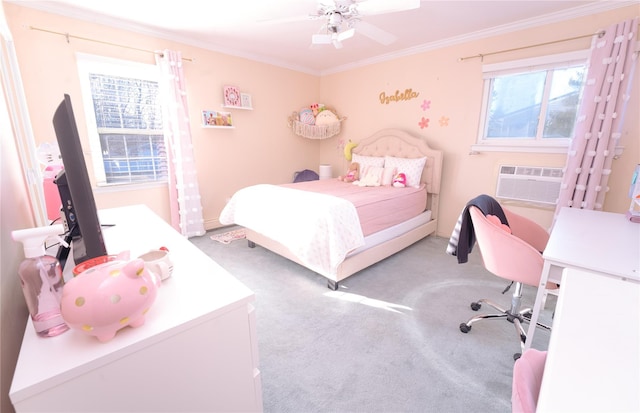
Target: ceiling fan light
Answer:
[[344, 14], [335, 19]]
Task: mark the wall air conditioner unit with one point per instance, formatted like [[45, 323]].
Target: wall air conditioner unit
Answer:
[[537, 184]]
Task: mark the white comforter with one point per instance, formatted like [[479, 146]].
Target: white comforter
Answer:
[[319, 229]]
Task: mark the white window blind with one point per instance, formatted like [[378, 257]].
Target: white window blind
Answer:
[[124, 121]]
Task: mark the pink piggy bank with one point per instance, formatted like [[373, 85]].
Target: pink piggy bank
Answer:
[[105, 298]]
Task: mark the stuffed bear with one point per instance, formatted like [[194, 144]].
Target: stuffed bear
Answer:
[[353, 173]]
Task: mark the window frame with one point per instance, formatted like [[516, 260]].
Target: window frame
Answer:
[[537, 144], [88, 63]]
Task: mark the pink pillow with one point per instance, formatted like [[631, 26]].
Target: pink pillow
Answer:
[[496, 221], [388, 175]]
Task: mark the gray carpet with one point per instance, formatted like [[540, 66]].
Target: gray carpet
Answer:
[[387, 341]]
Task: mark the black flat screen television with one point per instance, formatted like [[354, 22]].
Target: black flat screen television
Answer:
[[84, 232]]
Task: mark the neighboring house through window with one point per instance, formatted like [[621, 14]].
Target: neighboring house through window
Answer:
[[531, 105], [124, 120]]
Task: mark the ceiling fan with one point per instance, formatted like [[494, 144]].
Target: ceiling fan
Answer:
[[343, 17]]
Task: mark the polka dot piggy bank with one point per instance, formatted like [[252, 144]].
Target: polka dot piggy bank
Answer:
[[105, 298]]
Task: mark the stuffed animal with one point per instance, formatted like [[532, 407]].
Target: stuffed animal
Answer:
[[400, 181], [306, 116], [371, 176], [348, 148], [353, 173], [326, 117]]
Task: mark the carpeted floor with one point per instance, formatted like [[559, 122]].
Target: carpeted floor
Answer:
[[387, 341]]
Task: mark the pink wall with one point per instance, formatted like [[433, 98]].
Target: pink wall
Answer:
[[455, 90], [15, 213], [263, 149], [260, 149]]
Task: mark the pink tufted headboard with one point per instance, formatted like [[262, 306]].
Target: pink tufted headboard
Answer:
[[401, 144], [398, 143]]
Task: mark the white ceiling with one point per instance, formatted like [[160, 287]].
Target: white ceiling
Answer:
[[279, 31]]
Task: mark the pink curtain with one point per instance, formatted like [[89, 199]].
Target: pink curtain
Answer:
[[600, 117], [184, 194]]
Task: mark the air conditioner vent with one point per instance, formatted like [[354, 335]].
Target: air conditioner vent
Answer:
[[529, 183]]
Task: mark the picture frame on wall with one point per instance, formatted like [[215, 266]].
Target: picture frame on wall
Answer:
[[216, 118], [245, 100], [231, 96]]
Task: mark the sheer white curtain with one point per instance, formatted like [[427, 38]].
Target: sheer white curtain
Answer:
[[600, 117], [184, 194], [19, 126]]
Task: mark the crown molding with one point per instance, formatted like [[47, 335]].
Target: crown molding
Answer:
[[569, 14], [576, 12]]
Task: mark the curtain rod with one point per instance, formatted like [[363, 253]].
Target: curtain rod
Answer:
[[481, 56], [70, 36]]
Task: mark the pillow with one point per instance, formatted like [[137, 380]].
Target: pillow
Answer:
[[411, 167], [366, 161], [387, 175], [372, 177]]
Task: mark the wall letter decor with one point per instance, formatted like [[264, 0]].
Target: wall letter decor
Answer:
[[408, 94]]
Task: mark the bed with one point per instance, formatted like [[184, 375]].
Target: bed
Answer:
[[331, 227]]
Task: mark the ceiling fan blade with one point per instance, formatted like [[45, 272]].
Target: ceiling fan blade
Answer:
[[326, 3], [321, 39], [346, 34], [337, 44], [375, 33], [369, 7]]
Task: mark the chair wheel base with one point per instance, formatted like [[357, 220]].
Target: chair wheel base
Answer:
[[465, 328], [475, 306], [516, 356]]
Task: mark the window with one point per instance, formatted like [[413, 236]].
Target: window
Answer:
[[124, 120], [531, 104]]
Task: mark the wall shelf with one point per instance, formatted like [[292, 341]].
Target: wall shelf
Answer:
[[216, 119], [237, 107]]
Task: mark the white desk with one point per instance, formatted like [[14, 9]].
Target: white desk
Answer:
[[596, 241], [593, 360], [197, 350]]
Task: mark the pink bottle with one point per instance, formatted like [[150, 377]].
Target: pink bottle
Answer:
[[41, 279]]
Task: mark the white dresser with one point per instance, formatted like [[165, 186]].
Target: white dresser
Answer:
[[197, 350]]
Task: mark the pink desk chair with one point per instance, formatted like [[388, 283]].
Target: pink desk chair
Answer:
[[513, 253], [527, 377]]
